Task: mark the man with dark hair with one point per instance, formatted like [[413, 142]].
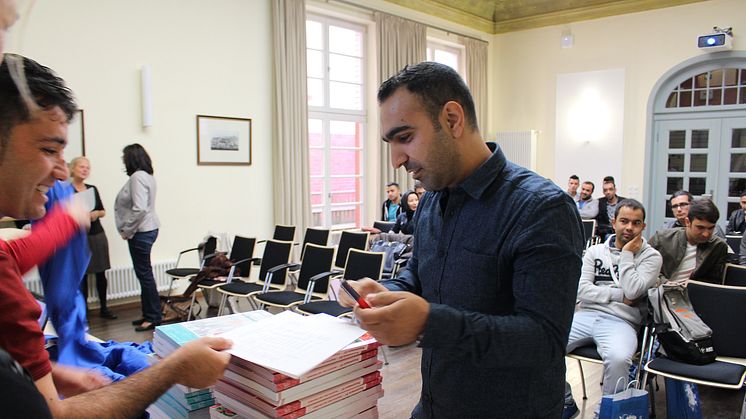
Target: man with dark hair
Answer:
[[693, 252], [419, 189], [33, 134], [614, 282], [736, 222], [587, 206], [496, 260], [572, 187], [607, 208], [680, 202], [391, 207]]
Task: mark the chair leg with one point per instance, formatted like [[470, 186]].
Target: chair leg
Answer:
[[385, 358], [233, 305], [222, 304], [191, 305], [582, 379]]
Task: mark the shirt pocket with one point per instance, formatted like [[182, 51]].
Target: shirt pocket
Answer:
[[478, 279]]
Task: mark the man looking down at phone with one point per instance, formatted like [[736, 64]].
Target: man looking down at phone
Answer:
[[614, 283]]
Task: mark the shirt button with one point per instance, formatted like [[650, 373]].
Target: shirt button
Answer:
[[451, 213]]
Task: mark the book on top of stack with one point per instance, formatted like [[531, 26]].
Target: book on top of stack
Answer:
[[186, 402], [346, 384]]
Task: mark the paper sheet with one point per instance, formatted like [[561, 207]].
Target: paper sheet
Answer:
[[291, 343], [88, 198]]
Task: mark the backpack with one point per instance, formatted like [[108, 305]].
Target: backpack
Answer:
[[684, 336], [392, 251]]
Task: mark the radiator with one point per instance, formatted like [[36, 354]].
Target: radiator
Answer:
[[519, 147], [122, 281]]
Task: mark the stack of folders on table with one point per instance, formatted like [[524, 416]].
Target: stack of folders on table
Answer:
[[346, 383], [219, 411], [186, 402]]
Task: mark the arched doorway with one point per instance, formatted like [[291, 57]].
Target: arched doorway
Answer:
[[696, 138]]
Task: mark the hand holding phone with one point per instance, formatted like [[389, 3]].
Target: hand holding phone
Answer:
[[353, 294]]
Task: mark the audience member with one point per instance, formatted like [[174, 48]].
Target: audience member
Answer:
[[587, 206], [572, 187], [391, 207], [138, 223], [607, 208], [33, 130], [495, 265], [736, 222], [80, 168], [693, 252], [680, 202], [614, 281], [405, 221], [419, 189]]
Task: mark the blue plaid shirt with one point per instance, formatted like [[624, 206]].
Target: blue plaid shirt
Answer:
[[498, 258]]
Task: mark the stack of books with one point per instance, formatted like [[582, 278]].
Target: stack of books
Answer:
[[183, 402], [346, 385]]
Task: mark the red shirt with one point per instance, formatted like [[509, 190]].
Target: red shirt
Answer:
[[20, 334]]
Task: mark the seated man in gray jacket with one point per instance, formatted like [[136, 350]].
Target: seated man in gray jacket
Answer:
[[693, 252], [614, 283]]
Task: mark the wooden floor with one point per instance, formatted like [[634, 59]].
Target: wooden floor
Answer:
[[402, 383]]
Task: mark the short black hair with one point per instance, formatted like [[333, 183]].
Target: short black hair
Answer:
[[588, 182], [703, 209], [609, 179], [136, 158], [575, 177], [743, 194], [418, 184], [390, 184], [631, 204], [682, 193], [434, 84], [45, 87]]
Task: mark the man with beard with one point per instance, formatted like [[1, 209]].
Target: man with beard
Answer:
[[680, 202], [607, 208], [490, 290], [587, 206], [613, 289]]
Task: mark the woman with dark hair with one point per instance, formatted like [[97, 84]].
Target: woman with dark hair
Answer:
[[138, 223], [404, 222], [80, 168]]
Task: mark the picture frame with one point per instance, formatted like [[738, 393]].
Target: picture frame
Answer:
[[76, 136], [223, 140]]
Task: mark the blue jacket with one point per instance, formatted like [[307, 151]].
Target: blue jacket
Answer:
[[501, 290]]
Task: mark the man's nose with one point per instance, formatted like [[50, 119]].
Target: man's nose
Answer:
[[398, 157]]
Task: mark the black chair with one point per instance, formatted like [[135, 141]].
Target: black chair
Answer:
[[734, 275], [349, 240], [723, 309], [242, 252], [589, 231], [282, 233], [383, 226], [360, 264], [734, 243], [317, 236], [176, 273], [272, 274], [313, 280]]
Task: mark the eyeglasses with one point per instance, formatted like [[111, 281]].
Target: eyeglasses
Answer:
[[681, 205]]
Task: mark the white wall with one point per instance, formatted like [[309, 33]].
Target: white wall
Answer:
[[645, 45], [212, 58]]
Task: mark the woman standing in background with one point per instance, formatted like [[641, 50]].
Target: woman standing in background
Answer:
[[80, 169], [138, 223]]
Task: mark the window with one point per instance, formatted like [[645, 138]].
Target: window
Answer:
[[443, 53], [336, 124], [724, 86]]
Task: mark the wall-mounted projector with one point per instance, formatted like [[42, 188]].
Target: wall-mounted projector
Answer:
[[721, 39]]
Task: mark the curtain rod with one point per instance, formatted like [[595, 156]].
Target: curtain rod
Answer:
[[448, 31]]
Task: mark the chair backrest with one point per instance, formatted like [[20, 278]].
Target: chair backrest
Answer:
[[361, 264], [284, 233], [723, 308], [734, 242], [318, 236], [243, 248], [589, 228], [383, 226], [734, 275], [275, 253], [349, 240], [318, 260], [211, 244]]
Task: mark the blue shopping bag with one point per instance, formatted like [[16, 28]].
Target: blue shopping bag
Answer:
[[632, 403], [682, 400]]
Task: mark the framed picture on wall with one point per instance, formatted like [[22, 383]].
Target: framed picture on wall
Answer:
[[223, 140], [75, 136]]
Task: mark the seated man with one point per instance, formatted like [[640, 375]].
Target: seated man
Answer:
[[736, 221], [391, 207], [680, 202], [613, 288], [587, 206], [607, 208], [572, 187], [693, 252]]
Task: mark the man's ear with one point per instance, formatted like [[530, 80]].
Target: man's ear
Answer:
[[687, 223], [453, 114]]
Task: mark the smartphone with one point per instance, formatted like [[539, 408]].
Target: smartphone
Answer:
[[353, 294]]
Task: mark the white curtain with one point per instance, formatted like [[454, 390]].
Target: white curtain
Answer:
[[476, 78], [290, 181], [400, 42]]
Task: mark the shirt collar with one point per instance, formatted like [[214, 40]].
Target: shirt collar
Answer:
[[477, 183]]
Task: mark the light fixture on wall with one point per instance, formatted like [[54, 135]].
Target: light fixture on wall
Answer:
[[567, 40], [146, 85]]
